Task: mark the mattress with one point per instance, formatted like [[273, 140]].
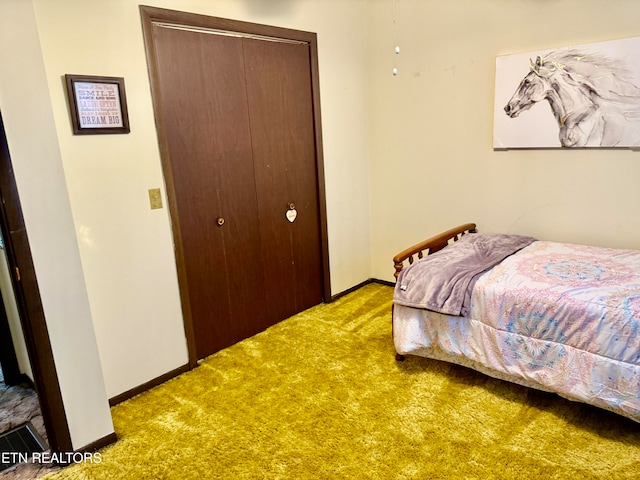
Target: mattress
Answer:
[[554, 316]]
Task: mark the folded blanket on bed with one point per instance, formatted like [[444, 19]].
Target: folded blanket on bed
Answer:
[[443, 281]]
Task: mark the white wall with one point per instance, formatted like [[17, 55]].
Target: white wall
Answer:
[[125, 247], [38, 169], [432, 163]]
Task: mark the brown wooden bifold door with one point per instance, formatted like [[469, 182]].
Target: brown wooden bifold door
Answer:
[[281, 113], [238, 135]]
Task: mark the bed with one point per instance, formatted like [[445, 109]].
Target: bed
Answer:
[[557, 317]]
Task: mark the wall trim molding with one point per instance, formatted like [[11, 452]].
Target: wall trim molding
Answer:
[[148, 385], [100, 443], [360, 285]]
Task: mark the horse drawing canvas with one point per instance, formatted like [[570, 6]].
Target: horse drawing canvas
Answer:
[[581, 96]]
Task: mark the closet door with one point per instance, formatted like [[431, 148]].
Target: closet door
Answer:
[[238, 141], [204, 109], [284, 153]]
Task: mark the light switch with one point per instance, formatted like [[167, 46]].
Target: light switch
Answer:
[[155, 198]]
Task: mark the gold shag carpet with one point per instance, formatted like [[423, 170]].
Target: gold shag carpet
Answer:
[[321, 396]]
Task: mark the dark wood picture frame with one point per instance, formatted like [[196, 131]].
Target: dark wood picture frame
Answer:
[[98, 105]]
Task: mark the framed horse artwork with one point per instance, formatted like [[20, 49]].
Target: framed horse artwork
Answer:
[[580, 96]]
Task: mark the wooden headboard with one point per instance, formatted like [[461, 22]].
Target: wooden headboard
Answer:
[[431, 245]]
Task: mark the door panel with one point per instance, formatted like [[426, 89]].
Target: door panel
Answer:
[[238, 121], [207, 130], [280, 108]]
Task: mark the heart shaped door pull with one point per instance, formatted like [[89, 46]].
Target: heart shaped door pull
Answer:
[[292, 213]]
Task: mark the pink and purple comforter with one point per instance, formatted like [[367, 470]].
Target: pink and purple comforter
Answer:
[[559, 317]]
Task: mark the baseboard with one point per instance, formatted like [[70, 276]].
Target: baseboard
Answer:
[[360, 285], [100, 443], [383, 282], [26, 379], [148, 385]]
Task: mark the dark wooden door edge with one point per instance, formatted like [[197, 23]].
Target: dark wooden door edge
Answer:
[[149, 15], [8, 358], [322, 196], [30, 306]]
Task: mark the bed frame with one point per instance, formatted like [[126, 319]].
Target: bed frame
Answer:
[[429, 246], [438, 242]]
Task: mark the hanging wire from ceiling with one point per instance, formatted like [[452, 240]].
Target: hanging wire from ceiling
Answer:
[[396, 42]]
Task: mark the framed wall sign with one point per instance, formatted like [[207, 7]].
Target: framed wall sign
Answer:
[[98, 105]]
